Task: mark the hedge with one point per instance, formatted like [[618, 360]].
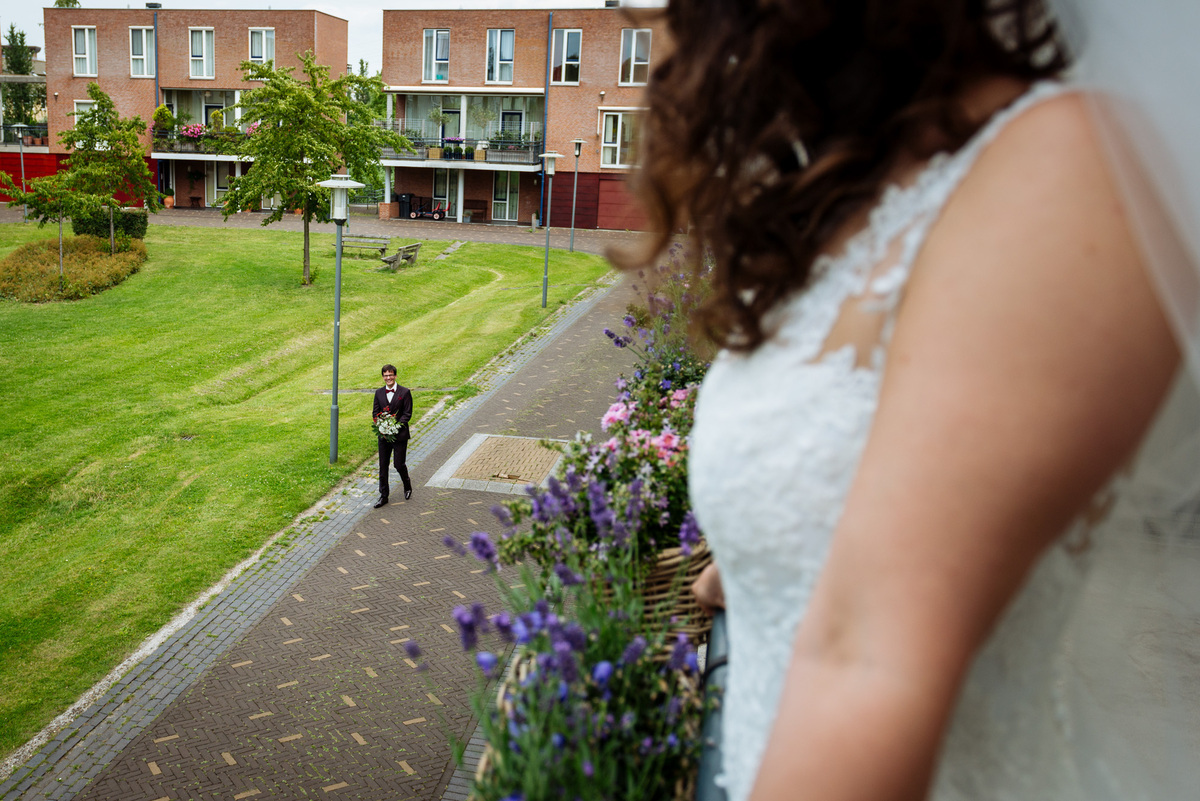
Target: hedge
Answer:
[[131, 222]]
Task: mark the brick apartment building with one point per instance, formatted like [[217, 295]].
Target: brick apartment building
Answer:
[[187, 59], [515, 82]]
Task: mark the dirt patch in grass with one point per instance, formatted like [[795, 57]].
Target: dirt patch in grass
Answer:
[[30, 273]]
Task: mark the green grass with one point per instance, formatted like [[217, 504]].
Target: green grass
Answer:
[[111, 521]]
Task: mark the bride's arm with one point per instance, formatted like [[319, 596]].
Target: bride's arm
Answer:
[[1028, 360]]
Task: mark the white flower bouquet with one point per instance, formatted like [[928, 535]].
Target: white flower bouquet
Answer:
[[386, 426]]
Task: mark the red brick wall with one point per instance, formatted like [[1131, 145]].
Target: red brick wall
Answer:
[[295, 32]]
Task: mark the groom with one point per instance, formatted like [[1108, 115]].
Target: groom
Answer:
[[396, 400]]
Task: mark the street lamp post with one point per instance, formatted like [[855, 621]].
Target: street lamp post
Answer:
[[20, 126], [578, 149], [548, 158], [339, 210]]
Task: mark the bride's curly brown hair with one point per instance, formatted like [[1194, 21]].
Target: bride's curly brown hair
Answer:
[[771, 122]]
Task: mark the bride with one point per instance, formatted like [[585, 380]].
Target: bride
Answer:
[[917, 459]]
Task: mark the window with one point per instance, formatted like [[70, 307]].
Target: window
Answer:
[[565, 56], [85, 50], [441, 191], [203, 45], [141, 52], [635, 55], [437, 56], [500, 45], [82, 107], [262, 44], [619, 148]]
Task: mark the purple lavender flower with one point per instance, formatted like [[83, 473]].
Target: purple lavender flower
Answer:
[[504, 626], [466, 627], [679, 652], [454, 545], [503, 515], [620, 384], [520, 631], [482, 547], [557, 740], [602, 672], [487, 662], [608, 333], [665, 384], [479, 614], [412, 649], [588, 770], [575, 636], [567, 576], [693, 662], [514, 796], [672, 740], [564, 658], [674, 707], [634, 651], [629, 321], [646, 745], [689, 533]]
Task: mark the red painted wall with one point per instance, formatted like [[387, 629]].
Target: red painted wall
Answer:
[[36, 165]]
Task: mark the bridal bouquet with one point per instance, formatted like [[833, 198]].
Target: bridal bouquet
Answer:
[[385, 426]]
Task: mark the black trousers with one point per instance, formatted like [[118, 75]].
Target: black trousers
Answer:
[[394, 452]]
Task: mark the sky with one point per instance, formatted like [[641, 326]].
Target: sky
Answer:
[[365, 16]]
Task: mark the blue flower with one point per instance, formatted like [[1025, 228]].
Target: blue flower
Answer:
[[466, 627], [482, 547], [521, 632], [412, 649], [454, 545], [504, 626], [689, 533], [679, 652], [602, 672], [608, 333], [567, 576], [557, 740], [634, 651], [502, 514], [665, 384], [588, 770], [486, 661], [629, 321], [672, 740]]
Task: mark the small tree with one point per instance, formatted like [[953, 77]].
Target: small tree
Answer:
[[107, 156], [304, 131], [22, 101], [66, 3], [53, 198], [482, 115]]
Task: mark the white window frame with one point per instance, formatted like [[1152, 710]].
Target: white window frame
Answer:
[[89, 51], [149, 67], [208, 56], [610, 151], [81, 106], [495, 56], [629, 39], [560, 43], [268, 35], [429, 59]]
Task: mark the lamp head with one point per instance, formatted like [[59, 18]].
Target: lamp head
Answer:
[[339, 201], [578, 146], [548, 159]]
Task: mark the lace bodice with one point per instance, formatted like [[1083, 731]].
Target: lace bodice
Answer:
[[777, 439]]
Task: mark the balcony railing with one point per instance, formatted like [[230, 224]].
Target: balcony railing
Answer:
[[212, 143], [510, 144], [32, 135]]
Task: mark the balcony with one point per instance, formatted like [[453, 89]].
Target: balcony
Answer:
[[31, 135], [202, 143], [507, 144]]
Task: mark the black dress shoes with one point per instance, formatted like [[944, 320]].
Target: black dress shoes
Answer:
[[407, 493], [381, 502]]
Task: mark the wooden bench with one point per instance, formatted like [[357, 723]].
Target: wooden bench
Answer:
[[379, 243], [407, 254]]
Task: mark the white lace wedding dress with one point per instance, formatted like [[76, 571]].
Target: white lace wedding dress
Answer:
[[1072, 697]]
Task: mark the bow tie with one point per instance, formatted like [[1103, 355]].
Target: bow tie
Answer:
[[390, 389]]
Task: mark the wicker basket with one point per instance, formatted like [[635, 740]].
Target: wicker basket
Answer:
[[666, 583]]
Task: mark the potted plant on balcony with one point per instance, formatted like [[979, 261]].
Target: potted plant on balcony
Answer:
[[191, 135], [453, 147], [468, 153], [439, 118], [164, 122]]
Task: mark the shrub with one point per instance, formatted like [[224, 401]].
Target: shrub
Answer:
[[30, 273], [131, 222], [164, 120], [468, 152]]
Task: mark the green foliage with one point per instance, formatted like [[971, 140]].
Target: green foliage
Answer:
[[107, 156], [164, 120], [22, 101], [30, 273], [468, 152], [131, 223], [482, 114], [53, 198], [438, 117], [66, 3], [307, 130]]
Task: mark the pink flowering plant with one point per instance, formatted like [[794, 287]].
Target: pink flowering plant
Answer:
[[192, 131]]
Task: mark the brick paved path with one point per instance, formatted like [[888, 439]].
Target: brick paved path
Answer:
[[294, 681]]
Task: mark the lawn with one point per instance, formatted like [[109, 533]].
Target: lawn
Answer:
[[158, 433]]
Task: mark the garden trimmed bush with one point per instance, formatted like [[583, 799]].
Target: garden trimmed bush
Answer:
[[131, 222], [30, 273]]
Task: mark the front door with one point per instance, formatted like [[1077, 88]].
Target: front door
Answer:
[[504, 196], [511, 123]]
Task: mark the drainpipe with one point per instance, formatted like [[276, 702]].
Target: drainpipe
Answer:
[[157, 102], [546, 114]]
